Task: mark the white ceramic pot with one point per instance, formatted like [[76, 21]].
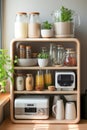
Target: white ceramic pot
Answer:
[[46, 33], [43, 62]]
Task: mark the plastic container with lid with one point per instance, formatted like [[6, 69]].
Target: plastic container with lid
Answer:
[[19, 82], [29, 82], [34, 25], [70, 57], [21, 28]]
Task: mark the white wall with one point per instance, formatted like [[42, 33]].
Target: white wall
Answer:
[[45, 7]]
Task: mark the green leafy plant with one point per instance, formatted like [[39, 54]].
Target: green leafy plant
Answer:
[[6, 69], [46, 25], [65, 15], [43, 55]]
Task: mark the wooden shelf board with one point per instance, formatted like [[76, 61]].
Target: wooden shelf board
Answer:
[[49, 120], [51, 68], [46, 40], [45, 92]]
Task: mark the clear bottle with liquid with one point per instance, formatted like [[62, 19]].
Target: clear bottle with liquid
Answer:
[[39, 80]]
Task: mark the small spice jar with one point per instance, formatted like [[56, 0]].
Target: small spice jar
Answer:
[[28, 52], [29, 82], [22, 51], [70, 57], [19, 82], [21, 26]]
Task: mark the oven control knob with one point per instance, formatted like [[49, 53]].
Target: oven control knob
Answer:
[[41, 111]]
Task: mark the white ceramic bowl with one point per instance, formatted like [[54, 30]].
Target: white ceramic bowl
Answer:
[[27, 62], [43, 62]]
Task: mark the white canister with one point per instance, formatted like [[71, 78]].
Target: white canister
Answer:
[[58, 109], [21, 26], [19, 82]]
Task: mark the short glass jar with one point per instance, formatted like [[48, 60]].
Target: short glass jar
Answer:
[[33, 25], [21, 28], [70, 57]]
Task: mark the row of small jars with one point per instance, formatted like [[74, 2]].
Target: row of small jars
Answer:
[[41, 81], [27, 25]]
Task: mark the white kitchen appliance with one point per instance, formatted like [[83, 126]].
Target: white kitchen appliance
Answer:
[[65, 80], [31, 107]]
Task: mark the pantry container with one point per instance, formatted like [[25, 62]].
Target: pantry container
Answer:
[[33, 25], [21, 28]]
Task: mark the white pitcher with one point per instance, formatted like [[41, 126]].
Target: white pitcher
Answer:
[[58, 109]]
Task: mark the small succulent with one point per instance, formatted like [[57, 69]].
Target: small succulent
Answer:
[[43, 55], [46, 25]]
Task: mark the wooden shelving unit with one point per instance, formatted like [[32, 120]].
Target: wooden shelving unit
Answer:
[[46, 41]]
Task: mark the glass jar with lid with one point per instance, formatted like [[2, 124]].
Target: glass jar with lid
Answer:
[[34, 25], [22, 51], [60, 55], [21, 28], [70, 57]]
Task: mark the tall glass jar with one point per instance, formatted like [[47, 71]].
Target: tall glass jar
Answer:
[[19, 82], [34, 25], [39, 80], [29, 82], [48, 78], [60, 55], [21, 28], [70, 57]]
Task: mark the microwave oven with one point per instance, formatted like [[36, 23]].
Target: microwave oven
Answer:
[[65, 80]]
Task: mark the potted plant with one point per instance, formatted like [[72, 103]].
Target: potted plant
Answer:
[[6, 69], [63, 22], [46, 29], [43, 59]]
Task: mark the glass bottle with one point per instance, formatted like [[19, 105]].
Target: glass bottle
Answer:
[[54, 55], [19, 82], [34, 25], [48, 78], [29, 82], [21, 26], [39, 80], [70, 57]]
